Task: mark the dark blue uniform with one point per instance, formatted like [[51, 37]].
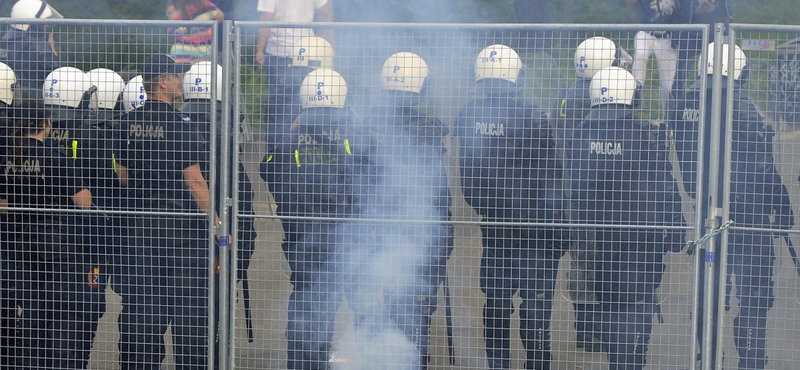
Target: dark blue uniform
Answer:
[[508, 162], [310, 174], [164, 268], [200, 112], [621, 176], [284, 102], [573, 104], [758, 200], [406, 258], [72, 135], [54, 290], [105, 139]]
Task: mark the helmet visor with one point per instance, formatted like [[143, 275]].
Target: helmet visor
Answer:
[[47, 11]]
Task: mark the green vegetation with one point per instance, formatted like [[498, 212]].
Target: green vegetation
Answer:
[[472, 11]]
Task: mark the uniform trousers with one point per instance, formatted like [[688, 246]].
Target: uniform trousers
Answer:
[[157, 292], [55, 312], [528, 267]]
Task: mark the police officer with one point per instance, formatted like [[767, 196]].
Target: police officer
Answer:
[[165, 268], [311, 174], [591, 55], [7, 306], [308, 53], [409, 184], [621, 178], [66, 94], [54, 276], [101, 124], [507, 156], [29, 49], [759, 200], [198, 105]]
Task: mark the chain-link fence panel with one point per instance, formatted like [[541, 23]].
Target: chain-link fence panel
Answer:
[[758, 264], [107, 254], [456, 196], [388, 195]]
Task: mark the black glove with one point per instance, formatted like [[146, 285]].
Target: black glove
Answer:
[[675, 240]]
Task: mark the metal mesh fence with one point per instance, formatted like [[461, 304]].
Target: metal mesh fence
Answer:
[[452, 196], [106, 234], [470, 223], [760, 270]]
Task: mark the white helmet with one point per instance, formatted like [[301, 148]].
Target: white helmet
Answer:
[[109, 85], [133, 95], [32, 9], [313, 51], [594, 54], [498, 62], [197, 82], [65, 86], [404, 71], [739, 61], [323, 88], [613, 85], [7, 80]]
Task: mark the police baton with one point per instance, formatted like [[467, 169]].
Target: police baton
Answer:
[[248, 316], [792, 252], [448, 318]]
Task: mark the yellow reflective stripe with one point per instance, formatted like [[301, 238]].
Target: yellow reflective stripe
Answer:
[[74, 149], [297, 157], [347, 147], [114, 162], [269, 159], [563, 112]]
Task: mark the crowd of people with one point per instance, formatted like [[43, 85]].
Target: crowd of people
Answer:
[[105, 183]]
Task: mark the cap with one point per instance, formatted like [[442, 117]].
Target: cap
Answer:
[[161, 64]]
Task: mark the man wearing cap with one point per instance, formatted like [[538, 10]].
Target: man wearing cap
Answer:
[[164, 269]]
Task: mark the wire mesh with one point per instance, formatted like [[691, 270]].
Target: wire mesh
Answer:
[[456, 196]]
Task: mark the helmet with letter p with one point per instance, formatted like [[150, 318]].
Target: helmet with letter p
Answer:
[[594, 54], [323, 88], [65, 86], [499, 66], [613, 85], [197, 82], [404, 71], [133, 95], [312, 51]]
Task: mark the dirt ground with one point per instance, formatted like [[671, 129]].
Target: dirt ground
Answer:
[[669, 345]]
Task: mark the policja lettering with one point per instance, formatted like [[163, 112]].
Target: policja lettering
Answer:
[[59, 134], [27, 166], [605, 148], [690, 114], [147, 131], [490, 129]]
